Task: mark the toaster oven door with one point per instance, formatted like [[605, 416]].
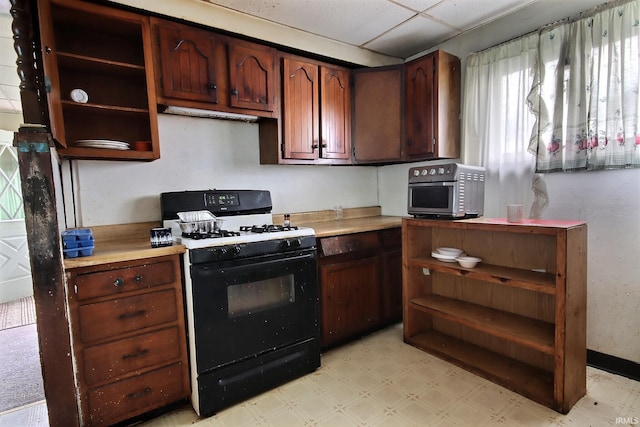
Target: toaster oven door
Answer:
[[433, 198]]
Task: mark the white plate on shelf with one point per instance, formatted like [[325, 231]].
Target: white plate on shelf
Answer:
[[444, 257], [449, 251], [102, 143]]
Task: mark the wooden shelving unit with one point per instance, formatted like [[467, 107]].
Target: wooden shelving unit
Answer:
[[518, 318], [107, 53]]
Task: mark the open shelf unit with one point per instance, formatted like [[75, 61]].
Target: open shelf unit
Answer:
[[107, 53], [518, 318]]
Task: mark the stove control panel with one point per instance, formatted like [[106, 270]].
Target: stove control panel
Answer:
[[221, 199]]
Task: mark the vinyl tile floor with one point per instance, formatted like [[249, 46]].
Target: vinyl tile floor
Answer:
[[380, 381]]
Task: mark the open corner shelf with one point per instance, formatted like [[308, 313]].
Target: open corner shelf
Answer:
[[518, 318]]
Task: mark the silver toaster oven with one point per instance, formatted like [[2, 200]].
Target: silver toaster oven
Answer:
[[446, 190]]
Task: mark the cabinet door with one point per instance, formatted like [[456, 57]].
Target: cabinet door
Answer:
[[301, 120], [350, 298], [188, 62], [420, 109], [377, 114], [335, 108], [252, 76], [433, 107]]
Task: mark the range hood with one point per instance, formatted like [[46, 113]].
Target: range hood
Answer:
[[207, 114]]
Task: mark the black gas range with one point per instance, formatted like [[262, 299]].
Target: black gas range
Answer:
[[251, 291]]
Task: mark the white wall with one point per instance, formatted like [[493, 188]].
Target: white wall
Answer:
[[198, 154], [609, 201]]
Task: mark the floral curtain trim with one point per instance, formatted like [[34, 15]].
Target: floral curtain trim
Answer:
[[585, 93]]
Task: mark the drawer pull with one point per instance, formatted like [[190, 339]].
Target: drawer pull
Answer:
[[141, 393], [138, 278], [132, 314], [118, 282], [138, 353]]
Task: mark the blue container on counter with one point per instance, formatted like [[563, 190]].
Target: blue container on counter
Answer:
[[77, 242]]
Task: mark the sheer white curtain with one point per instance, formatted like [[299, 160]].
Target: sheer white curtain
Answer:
[[586, 92], [498, 122]]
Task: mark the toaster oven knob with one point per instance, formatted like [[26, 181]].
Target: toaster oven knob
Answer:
[[432, 172], [416, 172], [424, 172], [441, 171]]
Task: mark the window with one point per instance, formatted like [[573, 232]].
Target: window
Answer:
[[10, 191], [586, 93]]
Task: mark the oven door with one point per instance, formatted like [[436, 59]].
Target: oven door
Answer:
[[245, 307], [433, 198]]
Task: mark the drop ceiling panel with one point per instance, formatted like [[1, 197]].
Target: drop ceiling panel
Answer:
[[466, 14], [353, 22], [417, 5], [415, 35]]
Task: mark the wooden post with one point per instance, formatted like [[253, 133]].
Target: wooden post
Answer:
[[41, 220]]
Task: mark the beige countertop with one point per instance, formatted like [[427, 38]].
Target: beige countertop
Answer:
[[130, 242], [352, 225], [122, 242]]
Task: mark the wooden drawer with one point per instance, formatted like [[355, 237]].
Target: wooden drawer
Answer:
[[104, 283], [350, 243], [128, 398], [110, 318], [112, 360]]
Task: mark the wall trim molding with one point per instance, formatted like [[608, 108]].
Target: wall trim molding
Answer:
[[613, 364]]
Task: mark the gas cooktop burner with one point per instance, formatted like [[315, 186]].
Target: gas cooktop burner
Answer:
[[212, 235], [267, 228]]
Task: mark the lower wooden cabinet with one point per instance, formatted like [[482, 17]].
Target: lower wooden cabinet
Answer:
[[129, 343], [360, 283]]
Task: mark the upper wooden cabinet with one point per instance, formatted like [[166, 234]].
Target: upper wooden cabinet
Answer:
[[315, 125], [106, 53], [300, 112], [188, 61], [335, 110], [407, 112], [197, 68], [252, 76], [432, 112], [378, 105]]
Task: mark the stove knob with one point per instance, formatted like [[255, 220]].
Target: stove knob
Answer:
[[236, 250], [296, 243], [285, 244], [222, 253]]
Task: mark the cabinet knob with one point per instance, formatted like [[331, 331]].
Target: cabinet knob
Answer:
[[138, 278], [234, 92], [118, 282], [212, 86]]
